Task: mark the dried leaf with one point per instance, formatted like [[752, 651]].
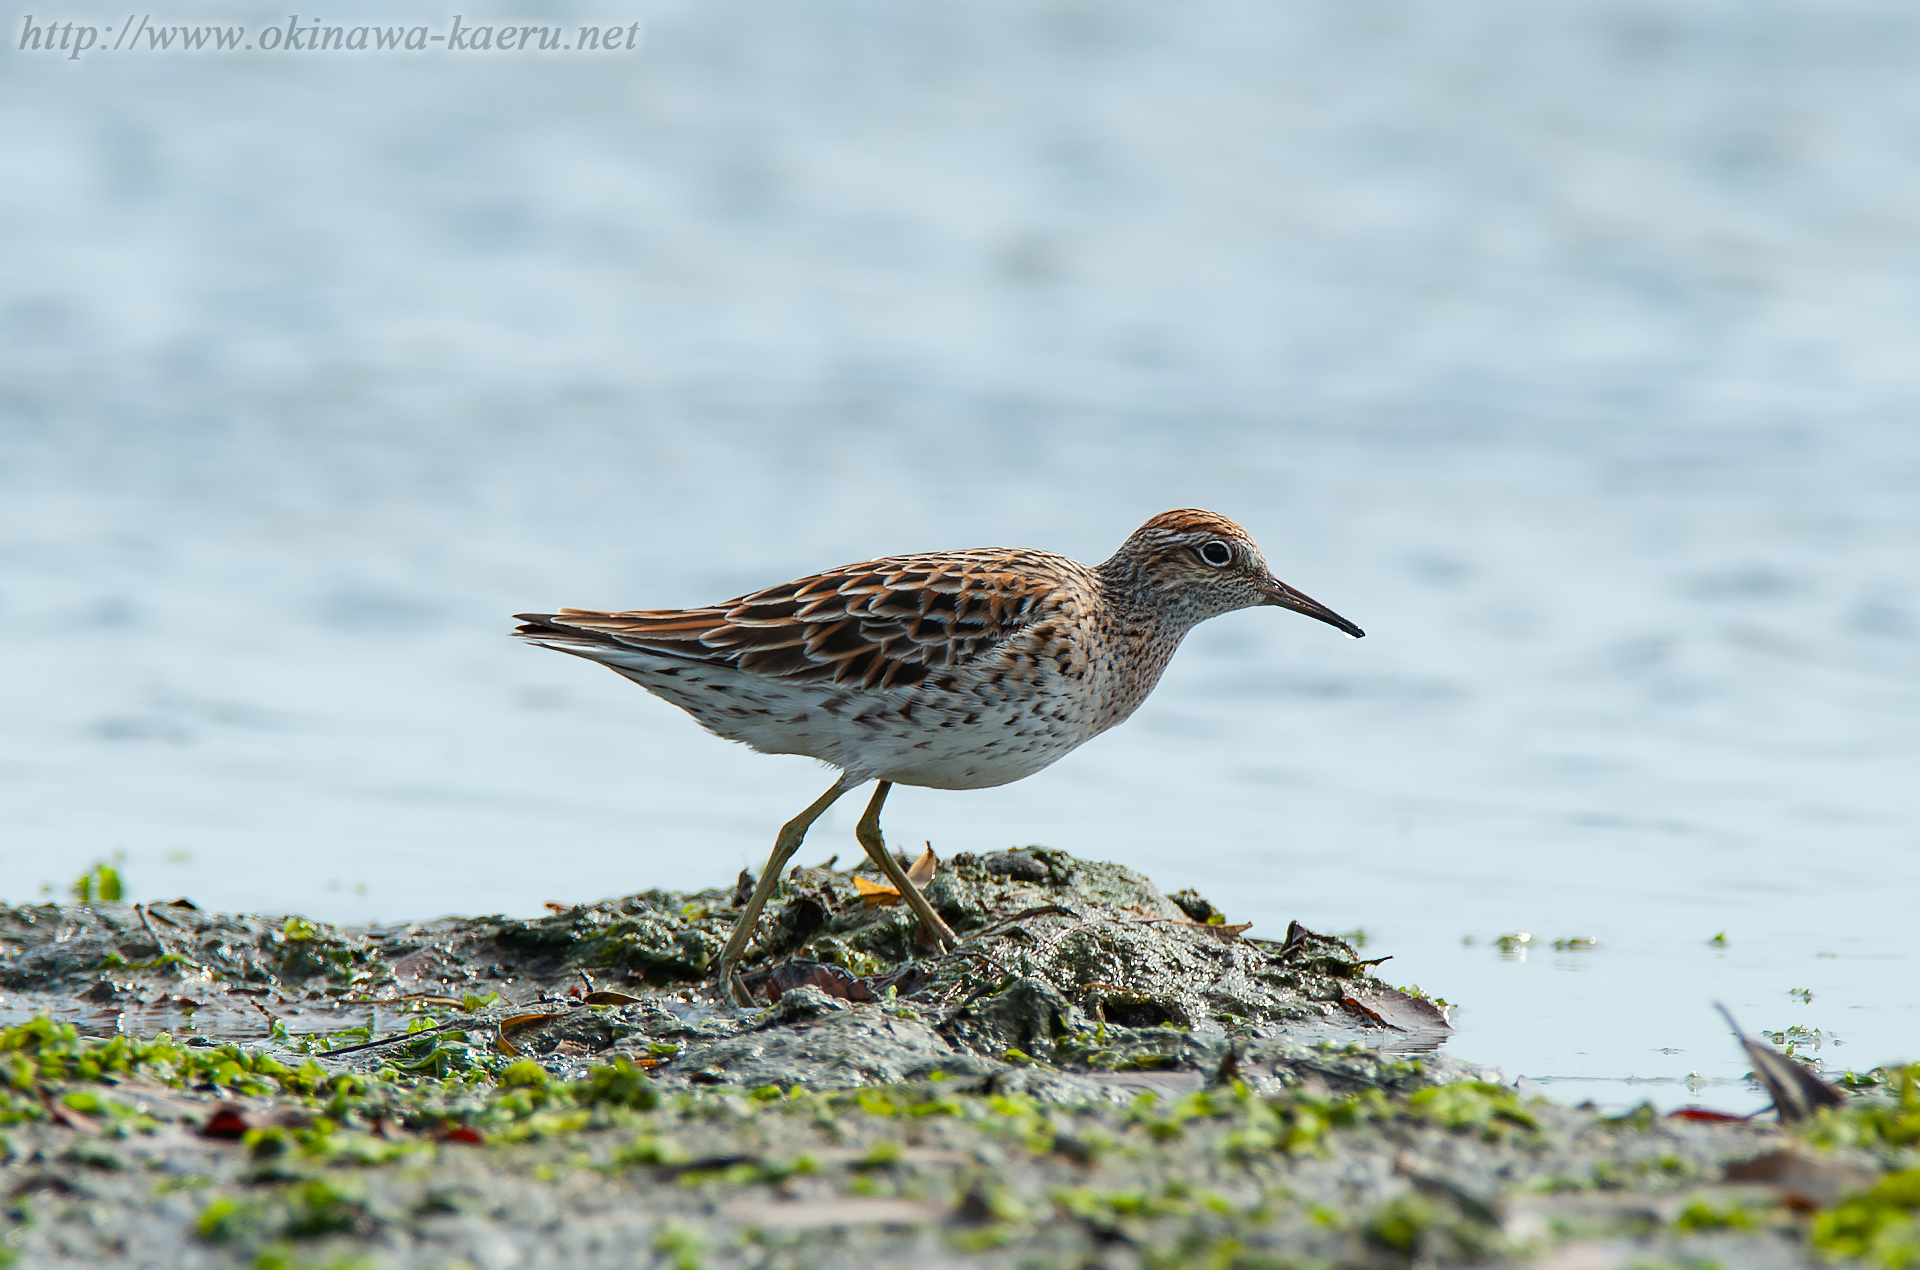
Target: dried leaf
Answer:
[[1389, 1007], [832, 980], [874, 894], [502, 1045], [924, 868], [521, 1020], [1366, 1011], [463, 1133], [605, 997]]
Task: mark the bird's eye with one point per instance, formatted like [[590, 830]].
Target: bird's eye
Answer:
[[1217, 553]]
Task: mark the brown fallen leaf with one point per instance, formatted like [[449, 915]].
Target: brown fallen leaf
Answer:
[[873, 894], [924, 868], [1395, 1009], [522, 1020], [832, 980], [501, 1045], [606, 997], [1367, 1012]]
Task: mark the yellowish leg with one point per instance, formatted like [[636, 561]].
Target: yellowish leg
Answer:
[[868, 834], [792, 834]]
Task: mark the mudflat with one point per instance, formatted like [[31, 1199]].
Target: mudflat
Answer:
[[1099, 1074]]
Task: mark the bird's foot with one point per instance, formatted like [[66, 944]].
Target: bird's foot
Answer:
[[733, 990]]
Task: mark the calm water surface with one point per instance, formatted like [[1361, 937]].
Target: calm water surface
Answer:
[[1569, 351]]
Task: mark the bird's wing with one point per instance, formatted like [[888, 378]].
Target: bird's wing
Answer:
[[878, 624]]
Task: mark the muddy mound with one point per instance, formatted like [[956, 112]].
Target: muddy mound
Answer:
[[1073, 978]]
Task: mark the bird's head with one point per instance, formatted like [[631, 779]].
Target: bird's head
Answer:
[[1198, 564]]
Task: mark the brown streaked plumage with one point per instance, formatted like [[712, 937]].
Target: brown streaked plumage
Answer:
[[950, 669]]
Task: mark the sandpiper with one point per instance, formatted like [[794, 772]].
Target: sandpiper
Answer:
[[949, 669]]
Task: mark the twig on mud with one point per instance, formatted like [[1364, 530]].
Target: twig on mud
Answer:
[[1040, 910], [153, 934], [948, 995], [404, 1036], [162, 945], [964, 951]]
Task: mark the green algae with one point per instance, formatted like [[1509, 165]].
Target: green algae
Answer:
[[396, 1169], [1081, 967], [1098, 1072], [102, 881]]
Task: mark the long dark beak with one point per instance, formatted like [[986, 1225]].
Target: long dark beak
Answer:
[[1279, 593]]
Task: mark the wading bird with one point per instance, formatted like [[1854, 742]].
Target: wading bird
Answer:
[[949, 669]]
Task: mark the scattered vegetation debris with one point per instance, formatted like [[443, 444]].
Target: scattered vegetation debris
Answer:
[[920, 874], [385, 1160], [1082, 966], [604, 997], [1102, 1067], [1797, 1092], [101, 882]]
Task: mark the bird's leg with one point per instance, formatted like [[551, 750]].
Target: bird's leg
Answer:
[[792, 834], [868, 834]]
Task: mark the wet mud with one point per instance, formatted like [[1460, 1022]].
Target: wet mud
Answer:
[[1098, 1075], [1073, 979]]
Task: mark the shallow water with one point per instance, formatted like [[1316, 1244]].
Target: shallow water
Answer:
[[1567, 350]]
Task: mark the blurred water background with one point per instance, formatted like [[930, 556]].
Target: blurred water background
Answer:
[[1570, 348]]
